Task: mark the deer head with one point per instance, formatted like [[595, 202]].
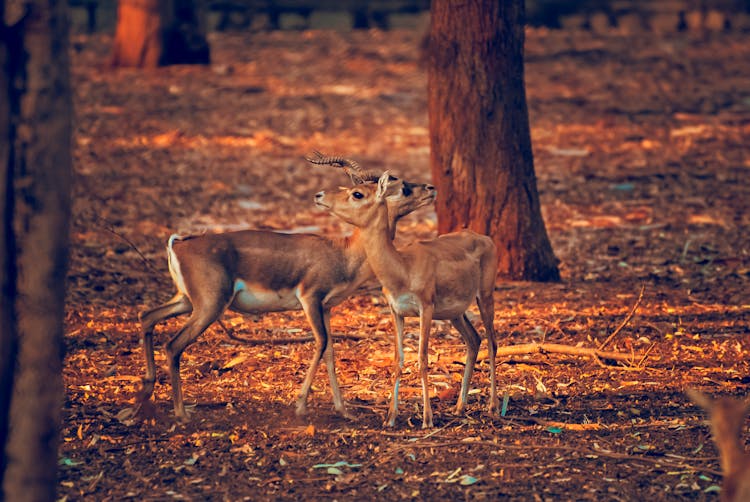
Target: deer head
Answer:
[[359, 205]]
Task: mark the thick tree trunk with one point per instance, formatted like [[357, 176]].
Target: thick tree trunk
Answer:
[[40, 160], [480, 140], [153, 33]]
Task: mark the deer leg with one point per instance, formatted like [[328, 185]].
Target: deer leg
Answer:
[[328, 356], [486, 304], [398, 366], [203, 315], [315, 316], [425, 323], [472, 340], [180, 304]]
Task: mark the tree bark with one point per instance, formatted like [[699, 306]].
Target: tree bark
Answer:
[[481, 158], [138, 37], [8, 336], [40, 163], [151, 33]]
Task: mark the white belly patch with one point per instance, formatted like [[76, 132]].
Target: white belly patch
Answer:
[[251, 298], [406, 304]]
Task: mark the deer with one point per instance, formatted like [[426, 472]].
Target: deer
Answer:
[[260, 271], [727, 416], [431, 279]]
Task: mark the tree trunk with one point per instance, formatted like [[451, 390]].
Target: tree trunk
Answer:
[[39, 163], [480, 140], [153, 33], [8, 338]]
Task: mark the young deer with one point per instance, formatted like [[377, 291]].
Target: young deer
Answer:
[[727, 418], [255, 271], [435, 279]]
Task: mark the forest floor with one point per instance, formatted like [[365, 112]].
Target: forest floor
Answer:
[[641, 155]]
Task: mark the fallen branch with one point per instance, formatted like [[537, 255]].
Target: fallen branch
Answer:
[[591, 426], [558, 348]]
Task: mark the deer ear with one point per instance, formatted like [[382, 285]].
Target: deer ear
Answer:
[[699, 398], [382, 186], [746, 404]]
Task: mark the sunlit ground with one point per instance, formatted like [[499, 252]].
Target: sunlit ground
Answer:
[[640, 156]]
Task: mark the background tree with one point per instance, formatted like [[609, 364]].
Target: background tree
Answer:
[[480, 141], [35, 118], [151, 33], [8, 336]]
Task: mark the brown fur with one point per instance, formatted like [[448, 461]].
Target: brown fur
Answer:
[[257, 271], [435, 279], [727, 416]]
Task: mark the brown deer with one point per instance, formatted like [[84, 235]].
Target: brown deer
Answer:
[[256, 271], [436, 279], [727, 417]]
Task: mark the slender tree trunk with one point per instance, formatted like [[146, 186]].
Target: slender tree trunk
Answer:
[[40, 161], [480, 141], [8, 336], [138, 34], [153, 33]]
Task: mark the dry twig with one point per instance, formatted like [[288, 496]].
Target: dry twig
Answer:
[[106, 225], [626, 320]]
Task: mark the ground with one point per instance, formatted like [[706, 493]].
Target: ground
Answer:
[[640, 146]]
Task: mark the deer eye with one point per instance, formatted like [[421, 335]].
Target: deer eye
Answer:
[[407, 191], [357, 195]]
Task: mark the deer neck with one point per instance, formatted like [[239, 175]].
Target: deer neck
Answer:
[[355, 255], [353, 249], [386, 262]]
